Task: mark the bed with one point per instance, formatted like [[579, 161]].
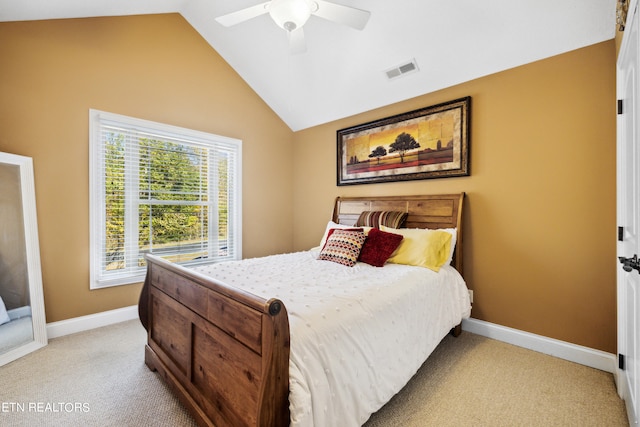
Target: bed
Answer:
[[251, 343], [18, 330]]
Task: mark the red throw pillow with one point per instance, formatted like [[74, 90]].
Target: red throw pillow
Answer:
[[378, 247]]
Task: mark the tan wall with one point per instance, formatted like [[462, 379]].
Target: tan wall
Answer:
[[152, 67], [540, 217], [540, 214], [618, 39]]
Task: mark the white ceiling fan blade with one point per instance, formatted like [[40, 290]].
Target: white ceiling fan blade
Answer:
[[242, 15], [355, 18], [297, 43]]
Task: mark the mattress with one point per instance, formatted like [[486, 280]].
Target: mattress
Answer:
[[358, 334]]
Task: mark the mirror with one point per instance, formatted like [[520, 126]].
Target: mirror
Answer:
[[22, 321]]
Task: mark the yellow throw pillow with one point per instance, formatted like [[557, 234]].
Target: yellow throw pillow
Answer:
[[421, 247]]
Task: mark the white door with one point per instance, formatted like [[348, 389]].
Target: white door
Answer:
[[628, 196]]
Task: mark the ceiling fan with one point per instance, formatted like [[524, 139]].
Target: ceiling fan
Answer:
[[291, 15]]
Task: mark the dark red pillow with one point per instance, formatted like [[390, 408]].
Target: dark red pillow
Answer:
[[378, 247]]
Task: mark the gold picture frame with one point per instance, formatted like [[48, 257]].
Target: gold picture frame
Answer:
[[431, 142]]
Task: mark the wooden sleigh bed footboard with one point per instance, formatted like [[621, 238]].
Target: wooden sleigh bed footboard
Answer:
[[224, 352]]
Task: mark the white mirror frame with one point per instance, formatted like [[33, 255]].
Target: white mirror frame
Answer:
[[32, 244]]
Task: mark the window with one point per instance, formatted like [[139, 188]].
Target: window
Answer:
[[162, 190]]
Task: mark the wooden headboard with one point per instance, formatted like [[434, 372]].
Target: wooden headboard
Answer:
[[425, 211]]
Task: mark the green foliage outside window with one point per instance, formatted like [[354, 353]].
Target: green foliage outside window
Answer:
[[171, 199]]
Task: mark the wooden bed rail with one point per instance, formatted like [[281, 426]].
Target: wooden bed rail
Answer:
[[225, 352]]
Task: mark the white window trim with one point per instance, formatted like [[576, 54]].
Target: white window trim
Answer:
[[96, 182]]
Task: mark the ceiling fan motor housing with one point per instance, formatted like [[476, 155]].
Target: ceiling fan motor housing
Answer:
[[291, 14]]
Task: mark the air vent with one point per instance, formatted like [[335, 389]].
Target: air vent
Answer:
[[402, 70]]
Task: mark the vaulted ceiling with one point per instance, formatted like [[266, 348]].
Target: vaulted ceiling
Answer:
[[343, 71]]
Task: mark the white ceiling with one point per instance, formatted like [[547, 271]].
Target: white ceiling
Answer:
[[343, 71]]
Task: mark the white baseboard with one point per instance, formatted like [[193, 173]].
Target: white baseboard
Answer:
[[91, 321], [575, 353]]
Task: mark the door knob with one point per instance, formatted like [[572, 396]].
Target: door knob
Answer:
[[629, 264]]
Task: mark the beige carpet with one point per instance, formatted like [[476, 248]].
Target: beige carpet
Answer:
[[476, 381], [98, 378]]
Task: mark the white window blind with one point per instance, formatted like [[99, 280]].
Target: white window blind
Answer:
[[163, 190]]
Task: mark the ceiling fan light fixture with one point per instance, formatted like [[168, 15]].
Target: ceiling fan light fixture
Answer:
[[290, 14]]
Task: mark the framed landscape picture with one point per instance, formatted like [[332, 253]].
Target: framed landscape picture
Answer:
[[431, 142]]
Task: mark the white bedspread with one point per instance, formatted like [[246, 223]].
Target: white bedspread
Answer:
[[358, 334]]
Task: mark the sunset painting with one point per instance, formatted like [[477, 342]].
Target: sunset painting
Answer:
[[431, 142]]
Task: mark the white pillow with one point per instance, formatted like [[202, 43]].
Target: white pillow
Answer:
[[454, 234], [4, 316]]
